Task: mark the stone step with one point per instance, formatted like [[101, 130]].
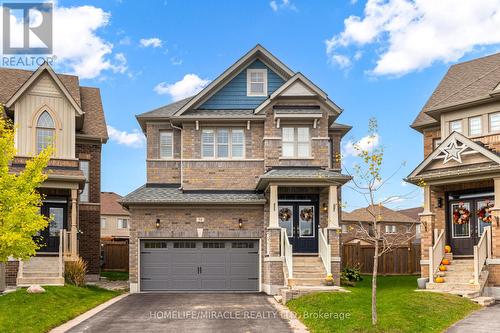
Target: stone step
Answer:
[[466, 293], [40, 274], [315, 275], [48, 281], [301, 270], [306, 281], [484, 301], [447, 287]]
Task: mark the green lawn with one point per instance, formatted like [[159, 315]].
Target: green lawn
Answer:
[[400, 308], [23, 312], [115, 276]]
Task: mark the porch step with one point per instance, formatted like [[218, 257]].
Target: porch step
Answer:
[[306, 282], [46, 281], [35, 274], [484, 301], [452, 286], [315, 275]]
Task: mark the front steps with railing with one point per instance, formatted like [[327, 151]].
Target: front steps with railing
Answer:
[[308, 270], [40, 270]]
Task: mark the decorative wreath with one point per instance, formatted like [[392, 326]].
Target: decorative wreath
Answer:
[[306, 214], [485, 213], [461, 215], [285, 214]]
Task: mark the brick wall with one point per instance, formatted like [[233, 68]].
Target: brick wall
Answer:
[[11, 268], [430, 135], [162, 171]]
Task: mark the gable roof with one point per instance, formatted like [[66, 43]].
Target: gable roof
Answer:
[[258, 52], [110, 204], [466, 82], [95, 122], [412, 212], [387, 215]]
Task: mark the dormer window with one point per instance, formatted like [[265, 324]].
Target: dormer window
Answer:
[[45, 130], [456, 126], [256, 82]]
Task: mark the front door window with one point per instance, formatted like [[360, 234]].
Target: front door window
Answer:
[[285, 219], [306, 221], [300, 221], [484, 216], [56, 220], [461, 219]]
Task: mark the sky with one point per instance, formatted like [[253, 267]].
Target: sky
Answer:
[[375, 58]]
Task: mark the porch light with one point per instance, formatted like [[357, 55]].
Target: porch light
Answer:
[[240, 223], [157, 223], [325, 207], [440, 202]]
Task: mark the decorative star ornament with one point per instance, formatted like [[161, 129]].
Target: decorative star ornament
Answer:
[[453, 151]]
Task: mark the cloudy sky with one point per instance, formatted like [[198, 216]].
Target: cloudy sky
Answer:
[[374, 58]]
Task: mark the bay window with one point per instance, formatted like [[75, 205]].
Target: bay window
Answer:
[[296, 142], [223, 143]]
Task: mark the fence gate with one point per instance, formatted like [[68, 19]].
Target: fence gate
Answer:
[[115, 256]]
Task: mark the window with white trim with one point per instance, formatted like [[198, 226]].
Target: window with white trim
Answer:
[[84, 167], [296, 142], [45, 129], [256, 82], [456, 126], [475, 127], [103, 223], [495, 122], [166, 144], [390, 229], [344, 228], [122, 223], [223, 143]]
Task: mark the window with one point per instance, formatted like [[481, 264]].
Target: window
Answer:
[[495, 122], [456, 126], [45, 130], [256, 82], [223, 143], [214, 245], [344, 228], [475, 127], [390, 229], [103, 223], [84, 166], [155, 245], [166, 144], [184, 245], [296, 142], [122, 223], [436, 142], [242, 245]]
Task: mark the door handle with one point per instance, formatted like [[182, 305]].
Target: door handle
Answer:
[[201, 270]]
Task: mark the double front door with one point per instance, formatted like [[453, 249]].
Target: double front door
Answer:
[[300, 219], [467, 219], [49, 237]]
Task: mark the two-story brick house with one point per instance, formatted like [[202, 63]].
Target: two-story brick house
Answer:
[[49, 108], [460, 174], [243, 187]]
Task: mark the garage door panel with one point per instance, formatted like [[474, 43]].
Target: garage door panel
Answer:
[[244, 284], [214, 284], [188, 271], [185, 258], [154, 258], [185, 284]]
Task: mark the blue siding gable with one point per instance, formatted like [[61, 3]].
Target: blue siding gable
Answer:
[[234, 94]]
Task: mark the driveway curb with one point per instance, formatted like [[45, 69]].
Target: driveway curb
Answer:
[[295, 324], [84, 316]]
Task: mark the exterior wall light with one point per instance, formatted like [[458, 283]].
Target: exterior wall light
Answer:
[[325, 207], [240, 223], [157, 223]]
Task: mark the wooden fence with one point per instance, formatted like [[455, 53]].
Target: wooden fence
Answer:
[[115, 256], [402, 260]]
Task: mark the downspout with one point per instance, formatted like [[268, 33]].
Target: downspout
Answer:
[[182, 146]]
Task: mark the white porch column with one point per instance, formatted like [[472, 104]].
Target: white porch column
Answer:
[[74, 226], [273, 206], [333, 209]]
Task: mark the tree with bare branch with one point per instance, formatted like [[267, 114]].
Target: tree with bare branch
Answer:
[[367, 181]]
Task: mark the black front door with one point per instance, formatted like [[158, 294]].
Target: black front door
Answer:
[[467, 219], [300, 219], [49, 237]]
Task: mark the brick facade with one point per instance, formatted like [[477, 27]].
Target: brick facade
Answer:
[[11, 269]]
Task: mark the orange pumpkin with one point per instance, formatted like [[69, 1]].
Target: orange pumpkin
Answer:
[[442, 268], [445, 262], [447, 249], [439, 279]]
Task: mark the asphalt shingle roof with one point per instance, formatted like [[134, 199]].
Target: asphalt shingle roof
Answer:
[[166, 110], [160, 194], [306, 173], [387, 215], [110, 204]]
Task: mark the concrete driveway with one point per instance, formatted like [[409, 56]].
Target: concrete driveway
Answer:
[[485, 320], [188, 313]]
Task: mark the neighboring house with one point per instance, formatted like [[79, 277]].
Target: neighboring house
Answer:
[[53, 108], [460, 174], [393, 225], [241, 179], [414, 213], [114, 218]]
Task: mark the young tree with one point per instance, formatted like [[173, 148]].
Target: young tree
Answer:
[[367, 181], [20, 201]]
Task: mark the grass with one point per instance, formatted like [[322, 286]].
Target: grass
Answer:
[[23, 312], [115, 276], [400, 308]]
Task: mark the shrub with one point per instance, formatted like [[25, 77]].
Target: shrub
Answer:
[[75, 271], [351, 274]]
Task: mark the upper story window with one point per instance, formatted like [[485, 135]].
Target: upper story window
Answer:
[[296, 142], [475, 126], [45, 130], [456, 126], [495, 122], [166, 144], [390, 229], [256, 82], [84, 166], [222, 143], [103, 223], [122, 223]]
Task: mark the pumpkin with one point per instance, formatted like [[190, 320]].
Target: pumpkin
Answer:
[[447, 249], [439, 279], [329, 277], [442, 268], [445, 262], [472, 281]]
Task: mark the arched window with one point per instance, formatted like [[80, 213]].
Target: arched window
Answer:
[[44, 131]]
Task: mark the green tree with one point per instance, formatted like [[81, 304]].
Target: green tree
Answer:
[[20, 201]]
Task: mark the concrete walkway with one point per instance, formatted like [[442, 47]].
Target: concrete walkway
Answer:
[[486, 320]]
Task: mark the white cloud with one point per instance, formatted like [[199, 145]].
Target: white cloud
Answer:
[[365, 143], [125, 41], [190, 85], [135, 139], [153, 42], [413, 34], [283, 4], [176, 61], [341, 60]]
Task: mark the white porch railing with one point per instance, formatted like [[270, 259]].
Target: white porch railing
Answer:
[[436, 254], [481, 253], [325, 251], [62, 234], [287, 252], [66, 242]]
